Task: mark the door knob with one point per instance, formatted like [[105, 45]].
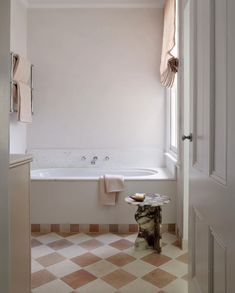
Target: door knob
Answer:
[[189, 137]]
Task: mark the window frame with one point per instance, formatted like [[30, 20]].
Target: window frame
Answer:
[[172, 150], [169, 147]]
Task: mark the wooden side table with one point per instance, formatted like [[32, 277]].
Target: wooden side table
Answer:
[[149, 218]]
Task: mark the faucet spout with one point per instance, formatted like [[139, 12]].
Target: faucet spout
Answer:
[[94, 159]]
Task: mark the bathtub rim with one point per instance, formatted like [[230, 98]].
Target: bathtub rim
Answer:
[[162, 174]]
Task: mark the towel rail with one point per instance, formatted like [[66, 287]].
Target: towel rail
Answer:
[[31, 85], [13, 106]]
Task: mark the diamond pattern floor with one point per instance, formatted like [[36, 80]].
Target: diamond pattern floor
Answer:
[[105, 263]]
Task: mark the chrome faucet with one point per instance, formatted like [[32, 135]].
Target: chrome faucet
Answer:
[[94, 159]]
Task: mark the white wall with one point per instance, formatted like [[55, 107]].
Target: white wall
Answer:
[[96, 79], [19, 46]]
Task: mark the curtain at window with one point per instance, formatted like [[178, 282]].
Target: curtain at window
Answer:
[[169, 62]]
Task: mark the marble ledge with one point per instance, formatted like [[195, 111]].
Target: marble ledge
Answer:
[[19, 159]]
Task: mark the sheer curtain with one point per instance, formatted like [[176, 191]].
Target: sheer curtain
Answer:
[[169, 60]]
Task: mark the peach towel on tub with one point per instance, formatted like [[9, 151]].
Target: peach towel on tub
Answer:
[[22, 70], [24, 102], [110, 186], [22, 91]]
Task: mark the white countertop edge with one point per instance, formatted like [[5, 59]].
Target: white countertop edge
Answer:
[[18, 159]]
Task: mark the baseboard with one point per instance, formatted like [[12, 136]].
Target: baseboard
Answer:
[[93, 228], [182, 243]]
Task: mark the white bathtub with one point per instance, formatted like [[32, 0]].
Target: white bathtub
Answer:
[[71, 195], [94, 174]]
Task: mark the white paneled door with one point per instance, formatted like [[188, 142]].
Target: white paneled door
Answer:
[[212, 150], [4, 148]]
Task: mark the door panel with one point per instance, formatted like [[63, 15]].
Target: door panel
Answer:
[[218, 143], [212, 152]]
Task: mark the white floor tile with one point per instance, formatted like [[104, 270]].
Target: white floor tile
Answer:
[[63, 268], [168, 238], [139, 286], [101, 268], [71, 251], [97, 286], [48, 238], [177, 286], [137, 253], [172, 251], [79, 238], [138, 268], [41, 250], [108, 238], [56, 286], [105, 251], [131, 237], [175, 267], [35, 266]]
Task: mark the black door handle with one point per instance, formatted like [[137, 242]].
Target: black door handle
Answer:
[[189, 137]]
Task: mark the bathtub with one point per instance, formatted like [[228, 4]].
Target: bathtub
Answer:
[[94, 174], [71, 195]]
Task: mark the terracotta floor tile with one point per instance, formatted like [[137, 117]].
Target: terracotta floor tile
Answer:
[[120, 259], [50, 259], [85, 259], [35, 242], [159, 278], [183, 258], [59, 244], [118, 278], [121, 244], [91, 244], [156, 259], [78, 278], [40, 278]]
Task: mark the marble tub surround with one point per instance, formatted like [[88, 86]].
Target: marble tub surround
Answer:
[[106, 158], [149, 218]]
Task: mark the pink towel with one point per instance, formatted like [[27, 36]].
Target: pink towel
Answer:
[[24, 102], [109, 188], [106, 198], [22, 70], [114, 183]]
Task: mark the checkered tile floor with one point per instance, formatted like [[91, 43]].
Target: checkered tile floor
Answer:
[[105, 263]]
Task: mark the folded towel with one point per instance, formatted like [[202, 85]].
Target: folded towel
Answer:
[[106, 198], [114, 183], [22, 70], [24, 102]]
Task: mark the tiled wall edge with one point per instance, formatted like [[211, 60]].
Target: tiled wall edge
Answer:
[[93, 228]]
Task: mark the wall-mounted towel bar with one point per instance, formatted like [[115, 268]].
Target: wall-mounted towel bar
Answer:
[[13, 104]]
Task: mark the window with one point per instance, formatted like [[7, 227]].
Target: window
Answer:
[[173, 117], [173, 97]]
